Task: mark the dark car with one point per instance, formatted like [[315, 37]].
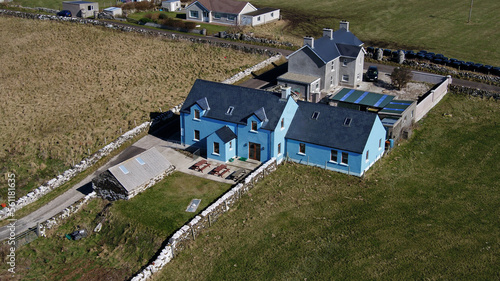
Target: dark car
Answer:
[[372, 74], [64, 13]]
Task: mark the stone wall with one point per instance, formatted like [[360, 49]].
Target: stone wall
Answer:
[[251, 38], [461, 90], [144, 31], [431, 98], [238, 76], [187, 233]]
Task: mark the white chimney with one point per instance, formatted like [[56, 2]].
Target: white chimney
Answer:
[[309, 40], [328, 32], [344, 24], [285, 92]]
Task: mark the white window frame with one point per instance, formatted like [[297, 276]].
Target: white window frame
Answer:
[[194, 136], [302, 145], [218, 148], [344, 160], [336, 156], [256, 126], [345, 77], [196, 112], [191, 12]]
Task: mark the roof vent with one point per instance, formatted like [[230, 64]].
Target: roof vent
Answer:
[[315, 115], [347, 121], [230, 110]]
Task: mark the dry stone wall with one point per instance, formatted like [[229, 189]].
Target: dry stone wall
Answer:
[[187, 233], [238, 76], [474, 92]]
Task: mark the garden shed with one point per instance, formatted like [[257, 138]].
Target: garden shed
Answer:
[[171, 5], [132, 176], [81, 9], [114, 11]]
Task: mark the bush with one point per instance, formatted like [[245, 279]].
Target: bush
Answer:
[[190, 25], [155, 17], [149, 16], [163, 16], [129, 6], [178, 24], [145, 20], [400, 77], [144, 6], [132, 20]]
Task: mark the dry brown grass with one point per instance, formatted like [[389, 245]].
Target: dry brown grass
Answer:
[[66, 87], [275, 31]]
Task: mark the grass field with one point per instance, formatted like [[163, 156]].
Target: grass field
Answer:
[[132, 232], [427, 211], [67, 89]]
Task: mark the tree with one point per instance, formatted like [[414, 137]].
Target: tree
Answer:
[[400, 77]]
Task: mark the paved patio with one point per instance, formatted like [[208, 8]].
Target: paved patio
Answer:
[[184, 163]]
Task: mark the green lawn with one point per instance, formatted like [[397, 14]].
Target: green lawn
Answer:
[[428, 211], [132, 233]]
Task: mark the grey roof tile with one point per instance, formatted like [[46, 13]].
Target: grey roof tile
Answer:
[[328, 129], [225, 134]]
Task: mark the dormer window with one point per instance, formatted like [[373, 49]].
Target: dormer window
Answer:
[[196, 114], [230, 110], [254, 126]]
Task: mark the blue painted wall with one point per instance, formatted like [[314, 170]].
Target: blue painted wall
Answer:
[[226, 150], [246, 135], [317, 155], [278, 135], [377, 136]]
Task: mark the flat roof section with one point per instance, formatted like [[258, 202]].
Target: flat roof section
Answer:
[[396, 106], [389, 121], [363, 98], [294, 77]]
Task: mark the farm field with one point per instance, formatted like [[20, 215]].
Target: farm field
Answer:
[[426, 211], [68, 89], [440, 27], [131, 234]]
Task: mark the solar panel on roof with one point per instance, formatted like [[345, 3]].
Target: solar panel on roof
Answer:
[[124, 170]]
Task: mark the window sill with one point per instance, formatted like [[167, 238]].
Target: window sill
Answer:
[[344, 164], [197, 120], [254, 132], [333, 162], [300, 153], [195, 140], [216, 154]]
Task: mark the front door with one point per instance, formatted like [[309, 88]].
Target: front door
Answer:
[[254, 151]]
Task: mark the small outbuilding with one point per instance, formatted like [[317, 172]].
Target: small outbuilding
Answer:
[[171, 5], [261, 16], [82, 9], [132, 176], [114, 11]]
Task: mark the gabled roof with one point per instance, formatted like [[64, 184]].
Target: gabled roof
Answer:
[[223, 6], [261, 114], [344, 43], [225, 134], [261, 12], [246, 102], [203, 103], [328, 129], [137, 170]]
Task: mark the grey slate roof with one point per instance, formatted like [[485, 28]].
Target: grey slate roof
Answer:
[[154, 164], [329, 130], [261, 12], [225, 134], [344, 43], [222, 6], [246, 102], [203, 103]]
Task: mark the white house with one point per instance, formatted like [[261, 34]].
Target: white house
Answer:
[[171, 5], [218, 11], [261, 16], [82, 9]]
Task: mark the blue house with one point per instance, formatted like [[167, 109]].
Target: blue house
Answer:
[[335, 138], [227, 121]]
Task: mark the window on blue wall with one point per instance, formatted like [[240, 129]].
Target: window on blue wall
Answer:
[[302, 148], [254, 126], [279, 148], [345, 158], [196, 114], [333, 155], [282, 123], [196, 135], [367, 155], [379, 143], [216, 147]]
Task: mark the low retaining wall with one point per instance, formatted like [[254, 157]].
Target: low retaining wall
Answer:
[[238, 76], [431, 98], [195, 227], [145, 31]]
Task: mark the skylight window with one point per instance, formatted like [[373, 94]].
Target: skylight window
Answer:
[[230, 110], [347, 121], [140, 161], [124, 170], [315, 115]]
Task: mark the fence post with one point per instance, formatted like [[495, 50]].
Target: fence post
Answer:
[[209, 220]]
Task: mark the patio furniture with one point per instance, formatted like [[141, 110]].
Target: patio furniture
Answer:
[[223, 173], [219, 169], [238, 175], [201, 165], [204, 167]]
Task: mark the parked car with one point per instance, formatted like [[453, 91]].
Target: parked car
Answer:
[[64, 13], [372, 74]]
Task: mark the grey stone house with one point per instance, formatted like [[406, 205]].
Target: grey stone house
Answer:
[[321, 64], [81, 9]]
